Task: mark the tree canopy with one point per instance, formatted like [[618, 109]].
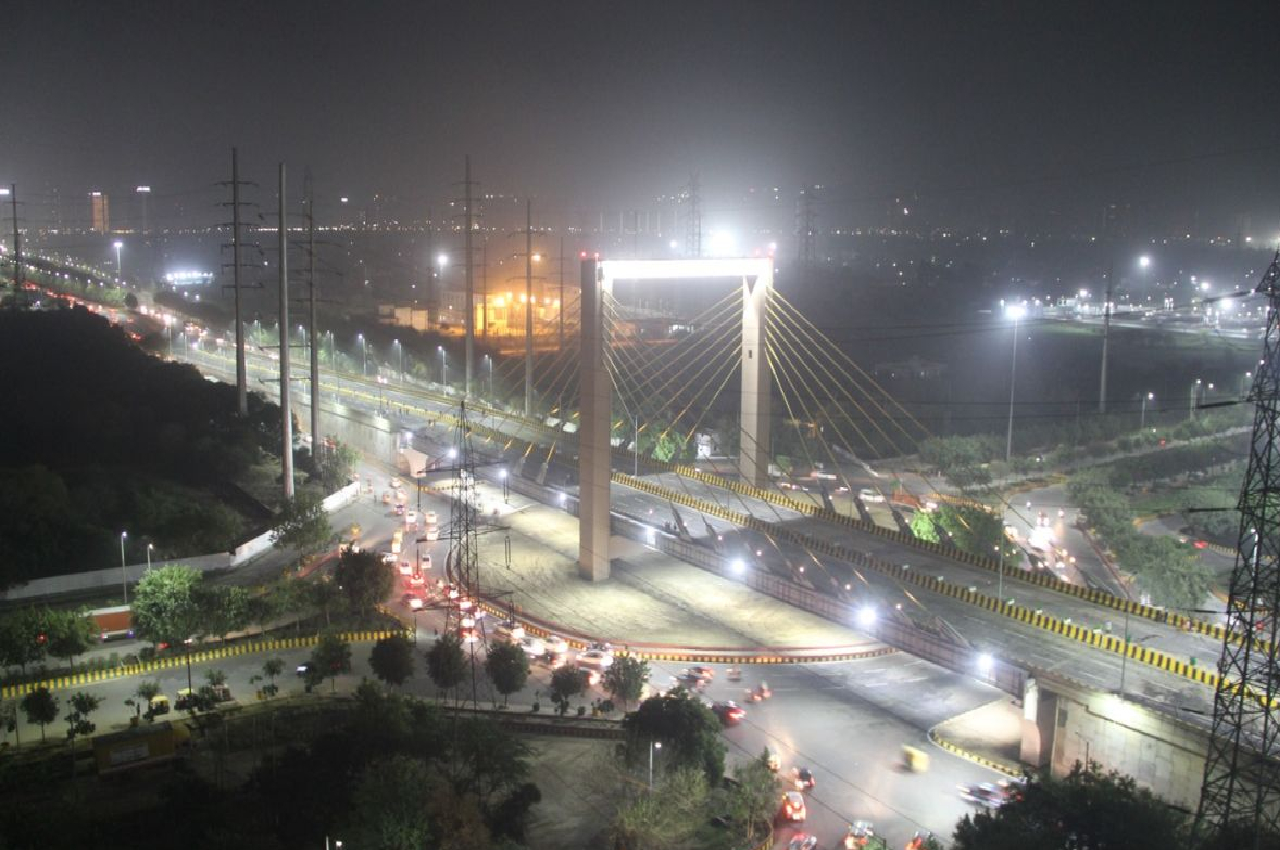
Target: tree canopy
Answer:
[[689, 732]]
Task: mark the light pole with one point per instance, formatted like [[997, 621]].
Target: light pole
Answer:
[[364, 356], [1000, 549], [1244, 380], [653, 745], [506, 487], [118, 245], [400, 348], [1015, 312], [150, 546], [124, 574], [489, 362], [635, 472], [444, 366], [1191, 407], [1142, 422]]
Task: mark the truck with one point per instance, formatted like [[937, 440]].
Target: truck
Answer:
[[113, 623]]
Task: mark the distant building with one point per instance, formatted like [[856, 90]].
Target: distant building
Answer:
[[913, 368], [99, 212]]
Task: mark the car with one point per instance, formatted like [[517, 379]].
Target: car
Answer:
[[804, 779], [387, 557], [417, 580], [1201, 544], [557, 644], [772, 760], [866, 494], [595, 658], [532, 646], [406, 568], [703, 672], [430, 518], [304, 668], [792, 809], [400, 510], [729, 712], [411, 518], [396, 484], [433, 534], [416, 603], [801, 841], [859, 835], [426, 561]]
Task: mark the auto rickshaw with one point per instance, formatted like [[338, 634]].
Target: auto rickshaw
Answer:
[[159, 705], [914, 759]]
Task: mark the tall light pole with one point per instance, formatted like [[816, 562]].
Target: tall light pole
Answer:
[[124, 574], [635, 471], [444, 366], [400, 348], [150, 546], [1191, 407], [1142, 421], [1015, 312], [653, 745], [118, 245], [364, 356], [506, 486], [143, 192], [1244, 380]]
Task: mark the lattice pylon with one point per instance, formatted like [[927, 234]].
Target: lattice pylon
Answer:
[[464, 549], [1240, 796]]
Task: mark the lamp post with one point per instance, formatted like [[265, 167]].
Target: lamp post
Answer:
[[118, 245], [653, 745], [150, 546], [1244, 380], [1191, 407], [364, 356], [1015, 312], [444, 366], [124, 574], [1142, 421], [489, 362], [635, 455], [506, 486], [1000, 549], [400, 348]]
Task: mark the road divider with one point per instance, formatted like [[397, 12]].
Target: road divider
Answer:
[[169, 662]]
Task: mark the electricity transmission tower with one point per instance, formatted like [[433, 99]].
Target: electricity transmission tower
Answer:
[[237, 246], [805, 222], [1240, 797], [462, 564]]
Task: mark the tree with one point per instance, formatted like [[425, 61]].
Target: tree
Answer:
[[271, 668], [303, 524], [41, 707], [625, 679], [508, 667], [9, 719], [753, 799], [446, 665], [215, 677], [689, 732], [78, 723], [389, 805], [228, 609], [324, 595], [167, 608], [392, 659], [1085, 808], [70, 634], [333, 466], [331, 656], [144, 693], [667, 819], [969, 528], [20, 638], [566, 682], [365, 578]]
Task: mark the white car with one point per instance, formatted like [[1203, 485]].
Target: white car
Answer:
[[430, 518], [557, 644], [433, 533], [388, 557], [396, 484], [595, 658], [533, 646], [869, 495], [410, 517], [406, 568], [426, 561]]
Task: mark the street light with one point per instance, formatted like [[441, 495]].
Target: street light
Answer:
[[489, 360], [1245, 379], [1015, 312], [150, 546], [1191, 407], [400, 348], [364, 355], [444, 366], [1142, 422], [124, 574], [653, 745], [118, 245], [506, 486]]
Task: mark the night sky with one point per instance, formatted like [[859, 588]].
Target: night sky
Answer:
[[966, 105]]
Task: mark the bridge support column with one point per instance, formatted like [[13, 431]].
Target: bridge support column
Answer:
[[595, 454], [757, 381]]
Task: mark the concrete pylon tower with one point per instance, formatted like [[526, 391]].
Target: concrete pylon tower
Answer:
[[595, 454]]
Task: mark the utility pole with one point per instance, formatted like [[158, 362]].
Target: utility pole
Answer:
[[1106, 334], [561, 310], [528, 308], [316, 442], [242, 381], [286, 414], [470, 323], [17, 248]]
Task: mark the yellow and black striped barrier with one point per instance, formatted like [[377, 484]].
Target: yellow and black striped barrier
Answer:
[[169, 662], [999, 767]]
